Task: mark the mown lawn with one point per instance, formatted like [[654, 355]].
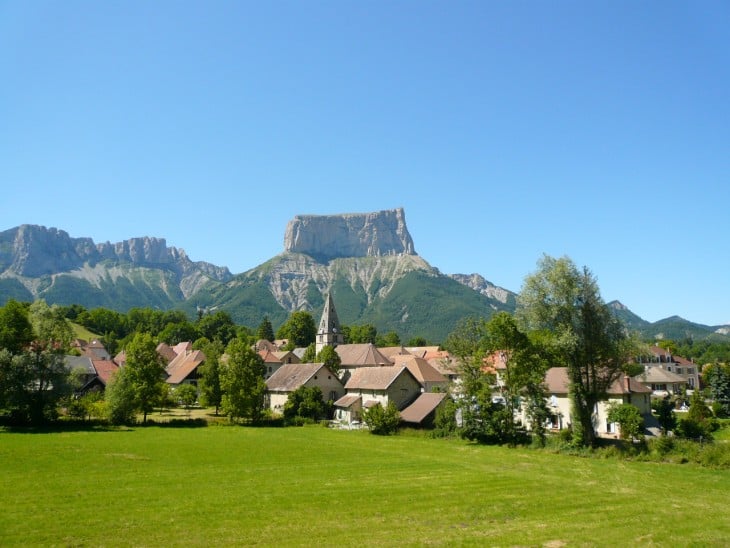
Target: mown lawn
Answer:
[[229, 485]]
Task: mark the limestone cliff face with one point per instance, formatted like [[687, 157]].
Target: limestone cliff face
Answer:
[[327, 237], [29, 252], [485, 287]]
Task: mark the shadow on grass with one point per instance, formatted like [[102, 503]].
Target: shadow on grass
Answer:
[[98, 426]]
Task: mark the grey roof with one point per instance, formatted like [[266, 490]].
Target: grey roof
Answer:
[[347, 400], [425, 404], [659, 375], [361, 355], [375, 378], [83, 362], [329, 323], [291, 376]]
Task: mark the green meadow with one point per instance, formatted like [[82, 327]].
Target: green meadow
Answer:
[[232, 485]]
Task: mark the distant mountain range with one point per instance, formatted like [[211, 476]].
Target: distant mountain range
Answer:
[[367, 261]]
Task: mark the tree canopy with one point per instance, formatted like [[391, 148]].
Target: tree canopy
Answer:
[[564, 303]]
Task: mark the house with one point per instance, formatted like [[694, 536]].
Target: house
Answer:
[[93, 374], [624, 390], [423, 411], [662, 358], [82, 368], [393, 352], [383, 385], [93, 349], [348, 409], [355, 356], [287, 378], [427, 375], [445, 364], [166, 353], [274, 360], [183, 369], [661, 382]]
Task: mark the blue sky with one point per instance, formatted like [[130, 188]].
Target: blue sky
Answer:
[[596, 130]]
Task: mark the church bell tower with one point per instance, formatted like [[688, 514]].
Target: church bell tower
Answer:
[[329, 332]]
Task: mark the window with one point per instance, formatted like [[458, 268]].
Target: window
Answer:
[[690, 371]]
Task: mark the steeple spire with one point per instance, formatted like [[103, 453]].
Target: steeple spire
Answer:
[[329, 332]]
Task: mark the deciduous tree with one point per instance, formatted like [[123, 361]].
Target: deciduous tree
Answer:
[[242, 381], [145, 372], [382, 421], [330, 358], [564, 302], [299, 329], [211, 393]]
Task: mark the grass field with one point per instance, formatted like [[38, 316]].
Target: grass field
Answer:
[[229, 485]]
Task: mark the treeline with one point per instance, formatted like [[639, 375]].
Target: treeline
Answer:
[[116, 329]]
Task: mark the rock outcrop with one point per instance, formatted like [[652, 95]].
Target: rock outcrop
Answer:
[[485, 287], [32, 251], [327, 237]]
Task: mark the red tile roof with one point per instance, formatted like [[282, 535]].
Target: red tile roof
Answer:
[[183, 365], [105, 369], [166, 352]]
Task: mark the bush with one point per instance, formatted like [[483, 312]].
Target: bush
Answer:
[[382, 422]]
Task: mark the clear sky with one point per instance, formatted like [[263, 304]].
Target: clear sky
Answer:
[[596, 130]]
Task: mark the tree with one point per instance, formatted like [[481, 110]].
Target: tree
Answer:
[[417, 341], [717, 378], [522, 374], [305, 403], [16, 332], [177, 332], [629, 419], [33, 376], [310, 354], [330, 358], [360, 334], [242, 382], [299, 329], [121, 398], [265, 330], [211, 393], [382, 421], [218, 326], [186, 394], [50, 328], [564, 303], [478, 412], [391, 338], [145, 372], [665, 414]]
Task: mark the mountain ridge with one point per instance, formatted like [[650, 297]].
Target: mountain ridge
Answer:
[[368, 260]]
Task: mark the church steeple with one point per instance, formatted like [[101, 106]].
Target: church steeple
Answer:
[[329, 332]]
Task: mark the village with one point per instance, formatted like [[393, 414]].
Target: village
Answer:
[[417, 380]]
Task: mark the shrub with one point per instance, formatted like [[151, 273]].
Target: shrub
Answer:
[[382, 422]]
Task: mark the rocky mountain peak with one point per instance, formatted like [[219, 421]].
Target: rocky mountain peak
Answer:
[[327, 237]]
